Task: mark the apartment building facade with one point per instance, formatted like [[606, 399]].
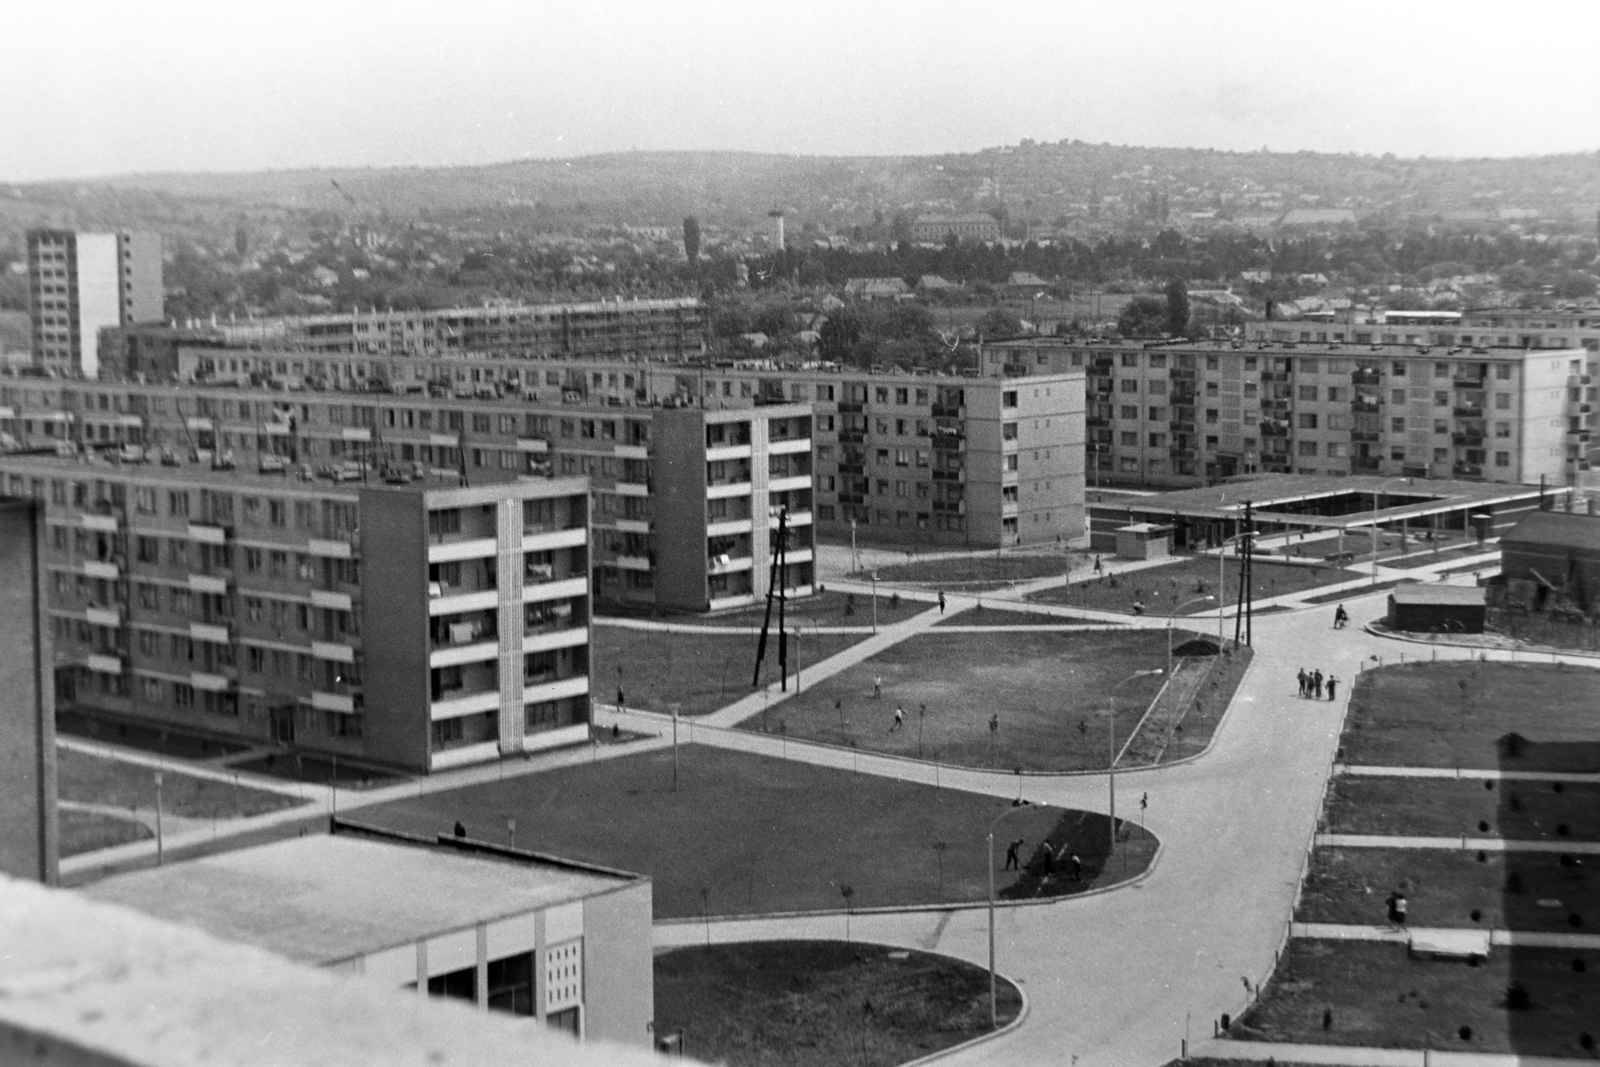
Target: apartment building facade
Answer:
[[82, 283], [363, 435], [419, 626], [926, 459], [388, 345], [1185, 414]]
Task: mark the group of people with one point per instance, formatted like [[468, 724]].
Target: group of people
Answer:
[[1312, 683], [1073, 864]]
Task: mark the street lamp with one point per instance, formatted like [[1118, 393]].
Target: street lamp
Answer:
[[1171, 618], [1111, 754], [1016, 806]]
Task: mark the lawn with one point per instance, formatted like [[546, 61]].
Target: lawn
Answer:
[[99, 780], [1049, 691], [1160, 589], [984, 615], [1418, 714], [701, 672], [1445, 887], [1519, 811], [831, 608], [87, 831], [1376, 996], [960, 571], [748, 834], [803, 1003]]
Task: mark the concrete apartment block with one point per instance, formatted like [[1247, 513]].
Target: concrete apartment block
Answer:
[[82, 283], [28, 829], [419, 625]]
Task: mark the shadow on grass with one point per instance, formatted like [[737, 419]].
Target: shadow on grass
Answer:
[[821, 1003]]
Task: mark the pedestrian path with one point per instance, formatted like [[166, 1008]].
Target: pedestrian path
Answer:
[[773, 694], [1489, 774], [173, 765], [1362, 1056], [1403, 935], [662, 626], [144, 816], [1457, 843]]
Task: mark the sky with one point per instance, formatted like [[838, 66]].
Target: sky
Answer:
[[91, 88]]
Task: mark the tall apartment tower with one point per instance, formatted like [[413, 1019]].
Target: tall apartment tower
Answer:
[[79, 283], [28, 842]]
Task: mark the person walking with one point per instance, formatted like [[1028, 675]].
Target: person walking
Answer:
[[899, 719], [877, 687], [1333, 685], [1397, 908], [1075, 870], [941, 602], [1303, 678], [1098, 570], [1340, 618], [1012, 862], [1316, 684]]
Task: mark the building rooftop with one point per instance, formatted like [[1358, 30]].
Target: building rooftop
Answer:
[[247, 475], [1253, 347], [321, 899], [1281, 497], [1417, 593], [1557, 529]]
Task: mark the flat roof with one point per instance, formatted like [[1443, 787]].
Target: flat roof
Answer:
[[323, 898], [1556, 529], [1414, 593], [1226, 500]]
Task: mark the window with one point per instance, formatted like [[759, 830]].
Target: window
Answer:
[[1158, 440], [1502, 459], [1129, 385], [1008, 399], [1397, 396], [1308, 422], [1130, 438], [1441, 399], [1397, 425], [1502, 429], [1156, 415], [1308, 392], [1338, 394], [1502, 401], [178, 503], [1502, 372], [1307, 448], [1008, 431], [1211, 415]]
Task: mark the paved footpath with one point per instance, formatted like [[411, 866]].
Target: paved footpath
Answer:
[[1357, 1056], [1402, 935], [1458, 843]]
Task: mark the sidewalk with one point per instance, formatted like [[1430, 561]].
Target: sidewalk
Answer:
[[1474, 773], [1360, 1056], [1461, 843], [1401, 936]]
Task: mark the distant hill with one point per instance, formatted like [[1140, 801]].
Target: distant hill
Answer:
[[737, 189]]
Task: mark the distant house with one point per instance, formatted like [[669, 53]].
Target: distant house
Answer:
[[1255, 275], [1219, 297], [325, 277], [974, 227], [934, 283], [877, 288], [1026, 279]]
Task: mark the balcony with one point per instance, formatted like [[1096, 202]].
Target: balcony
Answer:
[[331, 549], [455, 706], [327, 598], [208, 533], [1463, 382], [546, 541], [550, 640], [211, 681], [1467, 470], [104, 662], [631, 488], [559, 689], [204, 631], [333, 652], [560, 589], [631, 563], [788, 447], [727, 452], [346, 701], [789, 483], [1467, 411], [209, 584], [1470, 440], [720, 490], [99, 523], [101, 569], [103, 616], [451, 551], [728, 564]]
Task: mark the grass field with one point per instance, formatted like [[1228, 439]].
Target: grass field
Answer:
[[1523, 811], [1444, 888], [831, 608], [753, 834], [1379, 997], [988, 616], [1049, 691], [86, 831], [1170, 585], [800, 1003], [319, 770], [1418, 714], [699, 671], [957, 571], [99, 780]]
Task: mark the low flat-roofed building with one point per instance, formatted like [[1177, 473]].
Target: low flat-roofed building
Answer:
[[1310, 506], [1415, 608], [567, 943], [1557, 551]]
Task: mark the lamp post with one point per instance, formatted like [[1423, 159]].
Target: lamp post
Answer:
[[159, 842], [1111, 754], [1173, 617], [1016, 806]]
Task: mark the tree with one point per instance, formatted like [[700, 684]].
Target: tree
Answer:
[[1144, 316], [1000, 322], [839, 335], [691, 239], [1177, 307]]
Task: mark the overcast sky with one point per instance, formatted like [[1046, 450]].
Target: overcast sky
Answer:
[[93, 88]]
